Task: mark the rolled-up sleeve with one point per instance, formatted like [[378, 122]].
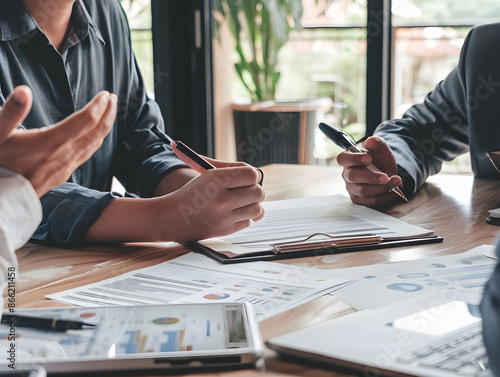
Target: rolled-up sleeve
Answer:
[[69, 211]]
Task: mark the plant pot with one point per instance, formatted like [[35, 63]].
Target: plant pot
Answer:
[[277, 132]]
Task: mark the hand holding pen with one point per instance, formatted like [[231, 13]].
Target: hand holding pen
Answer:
[[223, 199], [371, 178], [197, 162]]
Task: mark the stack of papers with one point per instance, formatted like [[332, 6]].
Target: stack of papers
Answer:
[[463, 276], [313, 226], [271, 288]]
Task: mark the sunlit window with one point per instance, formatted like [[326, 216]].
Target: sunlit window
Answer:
[[139, 16]]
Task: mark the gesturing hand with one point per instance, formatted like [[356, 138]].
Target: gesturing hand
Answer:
[[47, 156]]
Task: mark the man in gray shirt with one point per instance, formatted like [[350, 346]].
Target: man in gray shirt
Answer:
[[66, 51]]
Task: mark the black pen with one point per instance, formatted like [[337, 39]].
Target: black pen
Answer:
[[196, 158], [54, 323], [345, 141]]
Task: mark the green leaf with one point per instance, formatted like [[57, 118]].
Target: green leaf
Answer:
[[260, 28]]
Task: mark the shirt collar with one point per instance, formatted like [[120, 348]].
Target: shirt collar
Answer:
[[91, 22], [80, 24], [16, 22]]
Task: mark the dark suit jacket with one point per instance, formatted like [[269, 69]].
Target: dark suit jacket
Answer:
[[462, 113], [490, 310]]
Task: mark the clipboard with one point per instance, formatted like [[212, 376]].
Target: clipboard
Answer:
[[307, 249], [311, 226]]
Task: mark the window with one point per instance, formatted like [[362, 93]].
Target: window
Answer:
[[427, 38], [168, 38], [325, 59], [139, 16]]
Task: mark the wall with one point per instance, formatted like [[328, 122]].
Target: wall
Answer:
[[223, 72]]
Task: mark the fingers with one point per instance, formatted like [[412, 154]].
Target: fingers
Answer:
[[234, 177], [84, 120], [367, 174], [247, 195], [255, 212], [373, 195], [360, 175], [92, 140], [381, 154], [376, 145], [201, 163], [15, 110], [225, 164]]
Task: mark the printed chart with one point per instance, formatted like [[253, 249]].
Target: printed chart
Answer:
[[464, 275], [271, 288]]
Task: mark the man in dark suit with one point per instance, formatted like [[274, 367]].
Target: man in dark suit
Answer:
[[490, 310], [461, 114]]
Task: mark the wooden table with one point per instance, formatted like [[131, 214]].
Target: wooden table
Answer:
[[454, 206]]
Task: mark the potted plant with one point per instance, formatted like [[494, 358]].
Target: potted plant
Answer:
[[266, 131]]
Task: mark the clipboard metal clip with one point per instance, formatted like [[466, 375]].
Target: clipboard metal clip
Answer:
[[334, 242]]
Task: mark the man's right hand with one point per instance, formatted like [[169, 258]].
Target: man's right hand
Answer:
[[47, 156], [364, 186]]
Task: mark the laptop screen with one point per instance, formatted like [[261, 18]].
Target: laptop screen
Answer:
[[440, 320]]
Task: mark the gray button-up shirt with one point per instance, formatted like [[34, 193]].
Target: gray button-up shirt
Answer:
[[97, 55]]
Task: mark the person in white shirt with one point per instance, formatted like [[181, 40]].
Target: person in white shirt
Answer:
[[34, 161]]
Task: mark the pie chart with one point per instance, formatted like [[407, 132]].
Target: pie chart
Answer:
[[216, 296]]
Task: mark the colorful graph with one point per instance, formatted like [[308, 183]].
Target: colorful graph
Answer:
[[405, 287], [216, 296], [166, 321], [88, 315]]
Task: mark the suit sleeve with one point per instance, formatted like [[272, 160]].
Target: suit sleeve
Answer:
[[434, 131]]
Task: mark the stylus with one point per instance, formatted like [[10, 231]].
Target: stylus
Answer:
[[345, 141], [54, 323]]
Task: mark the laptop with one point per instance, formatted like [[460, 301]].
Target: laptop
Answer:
[[434, 334]]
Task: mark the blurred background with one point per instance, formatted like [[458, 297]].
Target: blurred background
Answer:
[[319, 67]]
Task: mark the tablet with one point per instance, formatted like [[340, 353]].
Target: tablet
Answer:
[[174, 336]]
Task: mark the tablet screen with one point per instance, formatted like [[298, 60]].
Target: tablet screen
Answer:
[[123, 331]]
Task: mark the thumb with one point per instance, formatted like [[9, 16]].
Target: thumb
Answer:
[[382, 155], [376, 145], [14, 111]]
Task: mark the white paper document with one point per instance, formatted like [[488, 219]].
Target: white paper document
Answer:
[[463, 275], [294, 220], [272, 288]]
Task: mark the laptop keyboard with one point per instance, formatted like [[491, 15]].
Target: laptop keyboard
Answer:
[[461, 353]]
